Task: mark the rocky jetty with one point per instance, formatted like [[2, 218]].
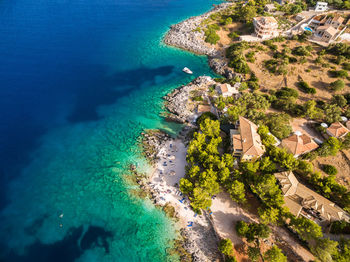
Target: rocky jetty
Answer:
[[177, 102], [185, 36]]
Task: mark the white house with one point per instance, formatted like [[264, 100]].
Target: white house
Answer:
[[265, 27], [227, 90], [321, 7]]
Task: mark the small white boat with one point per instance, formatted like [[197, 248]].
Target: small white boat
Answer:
[[187, 70]]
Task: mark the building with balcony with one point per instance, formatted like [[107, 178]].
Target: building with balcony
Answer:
[[302, 201], [321, 7], [265, 27]]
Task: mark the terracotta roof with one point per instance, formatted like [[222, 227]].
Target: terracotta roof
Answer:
[[227, 88], [203, 108], [251, 141], [297, 196], [337, 129], [237, 142], [223, 88], [299, 145]]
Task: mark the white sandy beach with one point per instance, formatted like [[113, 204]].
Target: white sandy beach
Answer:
[[168, 171]]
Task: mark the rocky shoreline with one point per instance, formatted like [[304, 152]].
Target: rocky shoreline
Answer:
[[198, 243], [201, 242], [185, 36], [177, 102]]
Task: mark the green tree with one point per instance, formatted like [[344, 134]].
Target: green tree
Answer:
[[211, 36], [332, 113], [186, 186], [257, 231], [324, 249], [237, 191], [268, 191], [242, 228], [339, 100], [306, 229], [312, 111], [329, 170], [268, 214], [266, 165], [228, 21], [282, 157], [330, 147], [200, 199], [253, 253], [210, 127], [274, 254], [278, 125], [226, 247], [266, 138], [247, 13]]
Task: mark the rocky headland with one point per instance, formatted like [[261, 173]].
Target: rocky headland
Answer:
[[178, 102], [185, 36]]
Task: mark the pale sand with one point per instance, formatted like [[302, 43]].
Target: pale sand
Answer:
[[201, 237], [226, 213]]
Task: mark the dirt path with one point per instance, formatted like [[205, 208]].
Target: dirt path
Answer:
[[286, 238], [225, 215]]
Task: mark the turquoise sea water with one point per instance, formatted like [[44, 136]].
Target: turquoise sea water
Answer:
[[80, 80]]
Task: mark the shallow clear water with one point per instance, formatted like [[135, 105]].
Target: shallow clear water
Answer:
[[80, 80]]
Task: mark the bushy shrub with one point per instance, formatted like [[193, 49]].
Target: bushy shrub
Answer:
[[338, 73], [346, 66], [211, 37], [197, 98], [306, 88], [286, 92], [329, 169], [236, 58], [340, 227], [339, 100], [250, 56], [337, 85], [226, 247], [234, 35], [300, 51]]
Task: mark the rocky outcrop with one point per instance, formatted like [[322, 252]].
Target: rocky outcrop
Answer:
[[219, 66], [152, 142], [202, 242], [177, 101], [185, 36]]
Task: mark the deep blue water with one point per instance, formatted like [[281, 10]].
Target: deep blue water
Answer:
[[80, 80]]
